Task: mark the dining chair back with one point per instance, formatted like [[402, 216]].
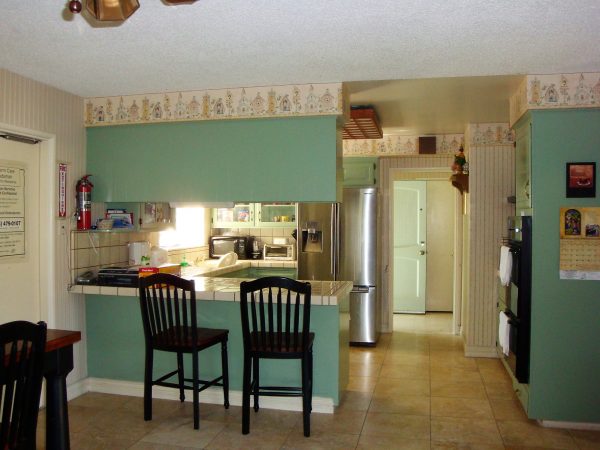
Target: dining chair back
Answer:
[[275, 315], [22, 346], [168, 306]]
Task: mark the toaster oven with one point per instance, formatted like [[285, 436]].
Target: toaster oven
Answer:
[[279, 252]]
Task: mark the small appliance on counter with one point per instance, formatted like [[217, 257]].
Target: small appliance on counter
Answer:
[[256, 250], [137, 251], [279, 252], [118, 276], [242, 246]]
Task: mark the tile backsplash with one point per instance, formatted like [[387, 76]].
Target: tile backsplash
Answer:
[[263, 235], [91, 250]]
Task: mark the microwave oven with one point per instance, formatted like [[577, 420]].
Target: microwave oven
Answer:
[[221, 245], [279, 252]]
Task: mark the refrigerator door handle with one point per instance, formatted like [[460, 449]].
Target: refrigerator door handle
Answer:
[[360, 289], [332, 241], [338, 241]]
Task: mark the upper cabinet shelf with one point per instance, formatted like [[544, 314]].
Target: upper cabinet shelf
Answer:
[[255, 215], [460, 181]]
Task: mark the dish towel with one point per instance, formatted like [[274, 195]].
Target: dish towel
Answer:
[[504, 333], [228, 259], [505, 265]]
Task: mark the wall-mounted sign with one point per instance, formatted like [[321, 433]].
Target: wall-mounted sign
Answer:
[[62, 190], [12, 210]]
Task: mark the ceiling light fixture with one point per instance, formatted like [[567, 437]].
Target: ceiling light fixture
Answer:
[[112, 10]]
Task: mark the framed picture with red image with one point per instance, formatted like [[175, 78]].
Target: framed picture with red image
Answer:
[[581, 179]]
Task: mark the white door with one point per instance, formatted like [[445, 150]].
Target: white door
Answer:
[[409, 246], [19, 273], [440, 246]]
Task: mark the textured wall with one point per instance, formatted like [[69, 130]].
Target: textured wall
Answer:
[[34, 106], [491, 181]]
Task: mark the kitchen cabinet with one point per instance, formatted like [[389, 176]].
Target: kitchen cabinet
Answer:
[[255, 215], [147, 216], [523, 166], [240, 216], [360, 171]]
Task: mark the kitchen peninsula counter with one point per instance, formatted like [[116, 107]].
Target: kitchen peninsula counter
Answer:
[[115, 342]]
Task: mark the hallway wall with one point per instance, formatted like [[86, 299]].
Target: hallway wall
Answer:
[[491, 181], [25, 103]]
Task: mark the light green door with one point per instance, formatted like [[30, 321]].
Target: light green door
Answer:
[[409, 246]]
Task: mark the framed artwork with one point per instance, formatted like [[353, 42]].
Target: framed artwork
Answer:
[[581, 179]]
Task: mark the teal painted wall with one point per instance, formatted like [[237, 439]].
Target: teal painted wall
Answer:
[[115, 345], [287, 159], [565, 360]]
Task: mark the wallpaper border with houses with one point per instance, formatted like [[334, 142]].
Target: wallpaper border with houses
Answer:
[[567, 90], [216, 104]]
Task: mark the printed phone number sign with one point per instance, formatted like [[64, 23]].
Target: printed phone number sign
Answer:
[[12, 211]]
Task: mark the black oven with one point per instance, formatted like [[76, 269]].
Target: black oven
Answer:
[[518, 308], [221, 245]]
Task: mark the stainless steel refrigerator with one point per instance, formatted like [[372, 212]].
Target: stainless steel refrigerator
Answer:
[[318, 241], [360, 263]]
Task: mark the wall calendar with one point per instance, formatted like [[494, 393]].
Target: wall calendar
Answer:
[[580, 243]]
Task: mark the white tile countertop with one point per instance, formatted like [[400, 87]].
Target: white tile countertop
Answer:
[[211, 287]]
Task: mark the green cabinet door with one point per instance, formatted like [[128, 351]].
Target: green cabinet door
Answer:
[[255, 215], [523, 166], [360, 171], [240, 216], [275, 215]]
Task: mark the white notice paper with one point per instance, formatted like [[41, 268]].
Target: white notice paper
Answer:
[[12, 211]]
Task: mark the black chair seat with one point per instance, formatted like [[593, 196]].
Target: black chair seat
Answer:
[[179, 339], [168, 305], [277, 345]]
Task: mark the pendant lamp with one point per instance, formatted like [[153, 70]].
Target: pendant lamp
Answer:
[[112, 10]]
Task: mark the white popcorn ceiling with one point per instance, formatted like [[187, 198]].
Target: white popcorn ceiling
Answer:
[[233, 43]]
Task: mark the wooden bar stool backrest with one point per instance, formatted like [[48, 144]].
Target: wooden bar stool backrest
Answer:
[[22, 347], [275, 315], [168, 305]]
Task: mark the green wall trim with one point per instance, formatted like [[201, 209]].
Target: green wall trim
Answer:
[[565, 351], [287, 159], [115, 345]]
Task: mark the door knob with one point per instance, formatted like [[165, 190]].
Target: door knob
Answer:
[[422, 252]]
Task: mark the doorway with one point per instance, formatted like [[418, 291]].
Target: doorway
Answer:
[[27, 234], [425, 254], [19, 231]]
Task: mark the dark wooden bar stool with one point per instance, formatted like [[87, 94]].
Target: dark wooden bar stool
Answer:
[[276, 326], [22, 346], [168, 306]]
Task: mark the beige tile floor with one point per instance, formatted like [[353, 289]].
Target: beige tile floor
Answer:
[[415, 390]]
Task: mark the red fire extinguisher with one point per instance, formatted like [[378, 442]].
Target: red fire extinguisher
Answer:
[[84, 203]]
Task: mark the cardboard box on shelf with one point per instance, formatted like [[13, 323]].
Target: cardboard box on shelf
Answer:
[[173, 269]]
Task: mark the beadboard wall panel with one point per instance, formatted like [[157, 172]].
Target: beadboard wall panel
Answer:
[[491, 181], [386, 165], [27, 104]]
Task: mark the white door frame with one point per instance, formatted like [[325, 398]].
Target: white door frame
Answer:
[[397, 174], [48, 200]]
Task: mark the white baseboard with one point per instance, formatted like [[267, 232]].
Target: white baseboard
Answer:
[[473, 351], [211, 395], [570, 425], [76, 389]]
